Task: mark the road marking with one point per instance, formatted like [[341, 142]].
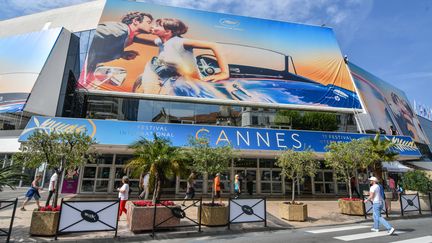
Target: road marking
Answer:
[[425, 239], [365, 235], [338, 229]]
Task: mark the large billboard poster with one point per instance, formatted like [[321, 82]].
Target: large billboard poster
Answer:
[[387, 105], [22, 58], [144, 49]]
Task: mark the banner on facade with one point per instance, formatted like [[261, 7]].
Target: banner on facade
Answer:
[[143, 49], [88, 216], [247, 210], [22, 59], [387, 106], [125, 133]]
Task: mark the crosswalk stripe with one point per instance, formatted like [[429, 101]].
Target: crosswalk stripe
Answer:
[[365, 235], [425, 239], [338, 229]]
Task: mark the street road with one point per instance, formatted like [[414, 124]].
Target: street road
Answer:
[[407, 231]]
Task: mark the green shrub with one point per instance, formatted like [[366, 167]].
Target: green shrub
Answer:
[[417, 180]]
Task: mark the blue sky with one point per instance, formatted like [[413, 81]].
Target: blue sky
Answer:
[[390, 38]]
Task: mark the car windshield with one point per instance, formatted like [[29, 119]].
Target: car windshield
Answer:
[[249, 56]]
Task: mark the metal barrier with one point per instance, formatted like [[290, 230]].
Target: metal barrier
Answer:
[[177, 213], [3, 205], [88, 216], [368, 207], [247, 210], [410, 203]]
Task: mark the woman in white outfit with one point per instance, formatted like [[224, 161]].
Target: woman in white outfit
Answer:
[[174, 71]]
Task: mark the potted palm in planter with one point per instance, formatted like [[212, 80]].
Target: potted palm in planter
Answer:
[[295, 165], [210, 161], [162, 161], [346, 158], [63, 150], [416, 181]]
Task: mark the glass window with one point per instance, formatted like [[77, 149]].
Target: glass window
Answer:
[[267, 163], [145, 109], [89, 172], [245, 162], [101, 186], [103, 172], [87, 185], [122, 159], [181, 113], [106, 159]]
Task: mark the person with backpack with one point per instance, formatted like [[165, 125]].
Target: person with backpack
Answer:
[[377, 198]]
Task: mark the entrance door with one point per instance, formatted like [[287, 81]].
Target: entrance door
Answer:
[[324, 183], [246, 174], [271, 181], [96, 177]]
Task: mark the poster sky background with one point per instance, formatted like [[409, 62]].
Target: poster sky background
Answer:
[[386, 37]]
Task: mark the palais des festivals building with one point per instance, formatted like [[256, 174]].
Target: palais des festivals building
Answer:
[[121, 70]]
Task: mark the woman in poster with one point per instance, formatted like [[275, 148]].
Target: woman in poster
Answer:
[[174, 71]]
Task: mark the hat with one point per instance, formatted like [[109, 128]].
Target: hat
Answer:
[[373, 178], [125, 178], [217, 174]]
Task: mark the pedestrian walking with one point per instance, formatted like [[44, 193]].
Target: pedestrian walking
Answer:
[[236, 186], [353, 182], [52, 185], [376, 197], [190, 188], [33, 192], [145, 186], [217, 187], [123, 195], [249, 183]]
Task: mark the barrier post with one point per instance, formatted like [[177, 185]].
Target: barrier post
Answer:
[[401, 206], [58, 224], [418, 200], [9, 232], [199, 212], [229, 212], [115, 235], [265, 212]]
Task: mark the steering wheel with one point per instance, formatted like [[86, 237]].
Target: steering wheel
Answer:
[[207, 65]]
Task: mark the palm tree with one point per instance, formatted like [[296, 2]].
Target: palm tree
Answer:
[[158, 157], [381, 151], [10, 176]]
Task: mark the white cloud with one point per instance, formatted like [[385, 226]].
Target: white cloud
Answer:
[[14, 8], [330, 12]]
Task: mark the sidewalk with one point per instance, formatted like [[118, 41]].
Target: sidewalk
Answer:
[[321, 212]]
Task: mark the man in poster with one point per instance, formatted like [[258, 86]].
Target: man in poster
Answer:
[[111, 38]]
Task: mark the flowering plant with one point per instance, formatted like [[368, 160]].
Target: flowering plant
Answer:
[[350, 199], [146, 203], [49, 208], [213, 204]]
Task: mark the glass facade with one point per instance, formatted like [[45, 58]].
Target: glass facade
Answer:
[[101, 107]]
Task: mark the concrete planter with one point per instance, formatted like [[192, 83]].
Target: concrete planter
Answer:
[[213, 216], [141, 218], [351, 207], [293, 212], [44, 223]]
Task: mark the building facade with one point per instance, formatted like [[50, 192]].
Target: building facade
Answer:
[[63, 84]]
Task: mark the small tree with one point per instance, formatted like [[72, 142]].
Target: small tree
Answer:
[[346, 158], [57, 150], [381, 152], [209, 160], [158, 157], [295, 165]]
